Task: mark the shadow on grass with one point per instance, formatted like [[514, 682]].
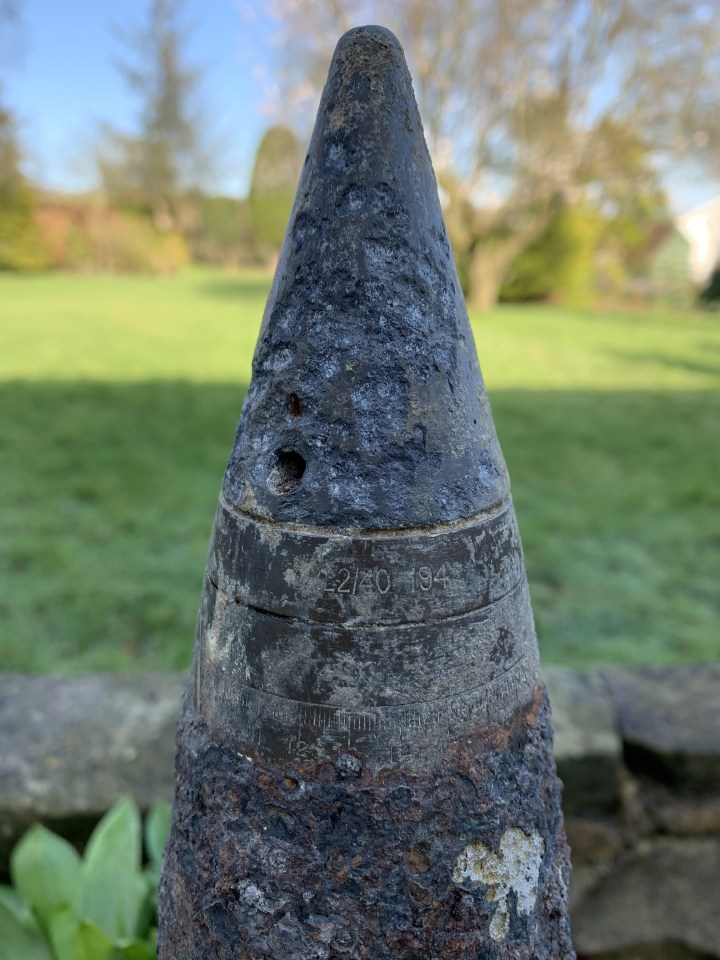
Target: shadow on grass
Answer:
[[663, 360], [107, 494]]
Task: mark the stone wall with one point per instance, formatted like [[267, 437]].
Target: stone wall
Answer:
[[638, 751]]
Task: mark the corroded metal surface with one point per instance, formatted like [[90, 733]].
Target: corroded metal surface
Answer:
[[328, 860], [366, 408], [364, 759]]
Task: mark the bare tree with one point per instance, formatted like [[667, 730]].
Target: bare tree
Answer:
[[20, 247], [517, 95], [10, 15], [698, 132], [10, 46], [164, 157]]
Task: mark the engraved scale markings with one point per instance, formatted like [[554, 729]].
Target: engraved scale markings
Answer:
[[385, 735]]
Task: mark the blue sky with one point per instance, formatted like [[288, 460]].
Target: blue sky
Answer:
[[64, 83]]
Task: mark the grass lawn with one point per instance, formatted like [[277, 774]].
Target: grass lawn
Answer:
[[118, 404]]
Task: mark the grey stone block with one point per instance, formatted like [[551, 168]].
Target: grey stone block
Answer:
[[663, 893], [588, 748], [670, 723], [72, 745]]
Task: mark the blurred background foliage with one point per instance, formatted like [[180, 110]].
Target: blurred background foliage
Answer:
[[554, 126], [275, 175], [549, 123]]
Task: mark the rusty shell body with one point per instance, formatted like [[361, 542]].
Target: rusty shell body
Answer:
[[365, 753]]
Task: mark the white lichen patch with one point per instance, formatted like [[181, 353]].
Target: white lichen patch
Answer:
[[515, 867], [301, 573], [270, 535], [213, 635], [218, 636], [247, 501]]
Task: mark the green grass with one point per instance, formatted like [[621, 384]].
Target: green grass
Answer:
[[118, 404]]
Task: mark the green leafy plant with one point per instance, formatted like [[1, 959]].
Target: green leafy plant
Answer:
[[98, 907]]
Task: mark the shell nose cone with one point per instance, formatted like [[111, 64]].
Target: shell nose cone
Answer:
[[368, 38], [366, 409]]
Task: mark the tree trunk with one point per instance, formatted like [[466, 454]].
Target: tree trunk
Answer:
[[490, 259], [485, 275]]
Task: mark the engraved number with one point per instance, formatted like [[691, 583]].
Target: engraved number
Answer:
[[343, 587], [440, 577], [349, 580], [366, 580], [424, 579]]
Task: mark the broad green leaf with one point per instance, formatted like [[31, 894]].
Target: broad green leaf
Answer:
[[157, 828], [62, 929], [152, 882], [152, 873], [92, 943], [21, 941], [45, 870], [12, 900], [114, 889], [137, 950]]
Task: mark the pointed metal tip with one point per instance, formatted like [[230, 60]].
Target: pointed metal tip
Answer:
[[368, 38], [371, 51], [366, 409]]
